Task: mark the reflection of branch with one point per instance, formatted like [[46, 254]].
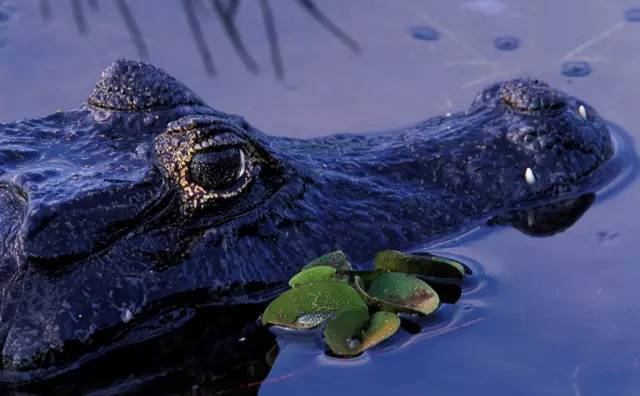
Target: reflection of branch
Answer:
[[78, 16], [45, 9], [272, 34], [94, 5], [323, 20], [132, 27], [198, 37], [227, 16]]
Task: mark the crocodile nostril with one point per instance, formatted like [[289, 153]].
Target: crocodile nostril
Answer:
[[530, 96]]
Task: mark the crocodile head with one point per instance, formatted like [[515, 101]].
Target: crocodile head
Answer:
[[117, 219]]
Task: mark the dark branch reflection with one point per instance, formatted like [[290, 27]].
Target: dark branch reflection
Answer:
[[45, 9], [227, 15], [198, 37], [132, 27], [78, 16], [94, 5], [323, 20], [272, 36]]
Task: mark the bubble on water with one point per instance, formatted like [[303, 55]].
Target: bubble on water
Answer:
[[309, 320], [506, 43], [632, 15], [424, 33], [576, 69]]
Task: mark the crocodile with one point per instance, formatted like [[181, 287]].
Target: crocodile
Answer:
[[120, 218]]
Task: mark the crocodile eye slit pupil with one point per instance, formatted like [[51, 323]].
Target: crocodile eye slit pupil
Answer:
[[218, 170]]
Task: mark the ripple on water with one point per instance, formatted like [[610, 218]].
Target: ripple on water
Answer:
[[424, 33], [632, 15], [506, 43], [576, 69]]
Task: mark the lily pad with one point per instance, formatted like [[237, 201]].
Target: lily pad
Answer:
[[426, 265], [313, 274], [337, 260], [310, 304], [398, 292], [345, 332], [381, 326]]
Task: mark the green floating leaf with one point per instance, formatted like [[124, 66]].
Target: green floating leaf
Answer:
[[313, 274], [310, 304], [381, 326], [337, 260], [345, 332], [397, 292], [427, 265]]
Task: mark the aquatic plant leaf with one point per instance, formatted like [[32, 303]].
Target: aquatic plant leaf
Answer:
[[313, 274], [343, 333], [427, 264], [398, 292], [310, 304], [337, 260], [381, 326]]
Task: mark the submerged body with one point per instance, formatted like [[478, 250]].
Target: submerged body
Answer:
[[117, 218]]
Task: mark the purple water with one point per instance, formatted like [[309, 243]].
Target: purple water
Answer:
[[549, 316]]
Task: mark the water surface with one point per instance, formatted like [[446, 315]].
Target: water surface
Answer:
[[554, 316]]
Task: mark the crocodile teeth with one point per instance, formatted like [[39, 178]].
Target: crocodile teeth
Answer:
[[529, 176], [582, 112], [205, 144], [198, 146]]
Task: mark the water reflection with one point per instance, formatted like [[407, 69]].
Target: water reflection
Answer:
[[198, 37], [226, 12], [45, 9], [221, 351], [132, 27], [549, 219], [78, 17]]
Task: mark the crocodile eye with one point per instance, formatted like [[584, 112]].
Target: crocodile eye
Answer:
[[220, 169]]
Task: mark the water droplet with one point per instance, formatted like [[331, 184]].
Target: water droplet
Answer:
[[353, 343], [506, 43], [313, 319], [632, 15], [424, 33], [576, 69]]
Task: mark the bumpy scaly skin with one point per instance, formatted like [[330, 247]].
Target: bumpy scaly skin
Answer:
[[104, 232]]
